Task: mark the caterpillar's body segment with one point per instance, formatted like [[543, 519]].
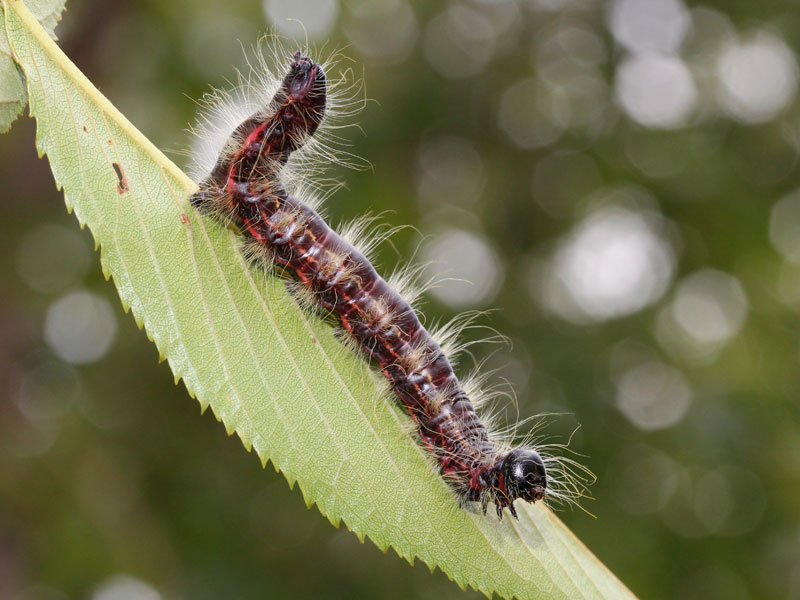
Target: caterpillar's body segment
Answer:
[[245, 187]]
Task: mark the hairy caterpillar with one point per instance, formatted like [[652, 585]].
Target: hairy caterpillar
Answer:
[[248, 188]]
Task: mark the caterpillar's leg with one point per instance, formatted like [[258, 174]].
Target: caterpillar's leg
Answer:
[[215, 202], [205, 200], [513, 511]]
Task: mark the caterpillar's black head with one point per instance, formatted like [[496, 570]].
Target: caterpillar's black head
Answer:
[[524, 474]]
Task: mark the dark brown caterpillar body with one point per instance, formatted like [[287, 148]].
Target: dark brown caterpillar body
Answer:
[[245, 187]]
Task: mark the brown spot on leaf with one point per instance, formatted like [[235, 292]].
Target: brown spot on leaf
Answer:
[[84, 129], [122, 180], [185, 220]]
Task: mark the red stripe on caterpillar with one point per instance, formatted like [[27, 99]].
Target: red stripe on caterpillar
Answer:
[[245, 188]]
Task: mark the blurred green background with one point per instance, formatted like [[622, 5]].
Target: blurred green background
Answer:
[[618, 179]]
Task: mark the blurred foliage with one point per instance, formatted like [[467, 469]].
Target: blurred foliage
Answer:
[[678, 134]]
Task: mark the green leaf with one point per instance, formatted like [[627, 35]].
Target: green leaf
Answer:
[[12, 87], [274, 375]]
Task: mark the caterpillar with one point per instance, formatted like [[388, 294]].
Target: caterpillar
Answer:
[[247, 188]]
